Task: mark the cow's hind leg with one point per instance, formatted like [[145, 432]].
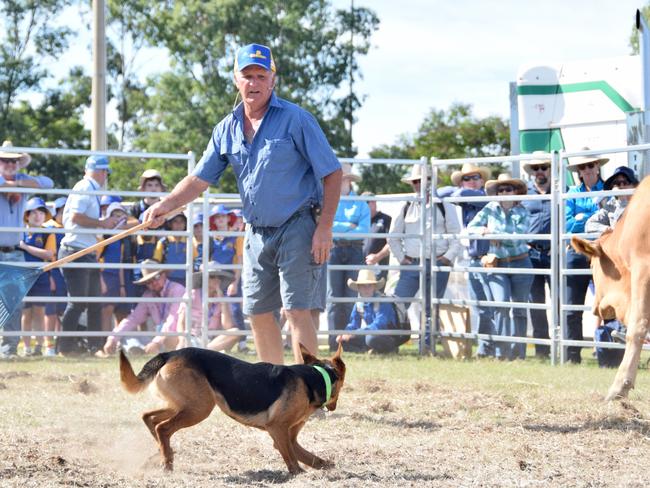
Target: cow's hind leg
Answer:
[[636, 331]]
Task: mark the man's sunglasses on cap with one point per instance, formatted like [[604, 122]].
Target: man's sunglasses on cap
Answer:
[[539, 167], [474, 177], [506, 189]]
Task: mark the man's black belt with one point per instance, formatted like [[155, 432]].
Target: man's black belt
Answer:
[[349, 242], [9, 248]]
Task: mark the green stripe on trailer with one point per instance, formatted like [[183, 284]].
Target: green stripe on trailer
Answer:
[[602, 86], [546, 140]]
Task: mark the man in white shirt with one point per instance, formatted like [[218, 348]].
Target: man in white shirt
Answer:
[[407, 250], [82, 212]]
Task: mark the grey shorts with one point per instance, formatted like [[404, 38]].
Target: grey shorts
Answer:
[[278, 269]]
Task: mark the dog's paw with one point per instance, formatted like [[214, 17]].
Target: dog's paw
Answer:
[[322, 464], [168, 467], [294, 470]]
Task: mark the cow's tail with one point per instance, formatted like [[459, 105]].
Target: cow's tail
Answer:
[[133, 383]]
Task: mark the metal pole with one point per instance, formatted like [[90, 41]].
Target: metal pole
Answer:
[[423, 242], [98, 97], [561, 257], [555, 253]]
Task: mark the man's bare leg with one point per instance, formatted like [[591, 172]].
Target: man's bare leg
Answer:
[[302, 332], [267, 337]]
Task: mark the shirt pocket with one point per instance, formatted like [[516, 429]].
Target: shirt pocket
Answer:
[[279, 156]]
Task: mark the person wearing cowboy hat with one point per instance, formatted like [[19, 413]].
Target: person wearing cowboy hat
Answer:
[[407, 250], [539, 171], [284, 168], [151, 182], [163, 314], [352, 218], [577, 212], [369, 316], [469, 181], [37, 247], [219, 315], [12, 208], [82, 212], [506, 217]]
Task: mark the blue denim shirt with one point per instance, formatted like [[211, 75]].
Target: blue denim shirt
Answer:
[[11, 214], [476, 248], [377, 315], [540, 217], [280, 172], [352, 212], [578, 210]]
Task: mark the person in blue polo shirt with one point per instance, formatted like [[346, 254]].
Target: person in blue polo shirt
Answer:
[[82, 212], [284, 168]]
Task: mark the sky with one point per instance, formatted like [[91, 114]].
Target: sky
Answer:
[[431, 53]]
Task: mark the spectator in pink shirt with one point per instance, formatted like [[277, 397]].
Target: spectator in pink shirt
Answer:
[[164, 315], [219, 314]]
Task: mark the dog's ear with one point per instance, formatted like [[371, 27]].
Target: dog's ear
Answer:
[[336, 359], [307, 357]]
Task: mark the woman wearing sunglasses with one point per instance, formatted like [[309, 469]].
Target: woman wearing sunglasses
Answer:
[[506, 217], [577, 212]]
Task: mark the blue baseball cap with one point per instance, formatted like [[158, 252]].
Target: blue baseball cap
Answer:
[[37, 203], [97, 163], [219, 210], [108, 199], [254, 54], [59, 202], [198, 219]]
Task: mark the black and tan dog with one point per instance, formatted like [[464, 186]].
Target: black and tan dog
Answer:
[[277, 399]]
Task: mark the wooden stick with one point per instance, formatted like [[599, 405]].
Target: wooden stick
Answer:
[[105, 242]]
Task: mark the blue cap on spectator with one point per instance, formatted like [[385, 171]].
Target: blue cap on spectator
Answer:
[[60, 202], [256, 54], [97, 163], [219, 210], [198, 219], [621, 170], [37, 203], [108, 199]]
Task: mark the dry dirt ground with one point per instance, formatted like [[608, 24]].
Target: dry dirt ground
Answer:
[[401, 421]]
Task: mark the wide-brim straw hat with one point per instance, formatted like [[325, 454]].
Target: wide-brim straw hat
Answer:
[[366, 277], [347, 172], [226, 276], [542, 158], [579, 160], [150, 174], [469, 169], [417, 170], [23, 158], [506, 179], [150, 271]]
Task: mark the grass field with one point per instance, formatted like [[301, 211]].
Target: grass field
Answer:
[[401, 421]]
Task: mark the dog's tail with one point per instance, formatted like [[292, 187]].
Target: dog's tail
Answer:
[[133, 383]]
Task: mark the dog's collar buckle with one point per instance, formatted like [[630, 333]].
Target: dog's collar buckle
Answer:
[[328, 383]]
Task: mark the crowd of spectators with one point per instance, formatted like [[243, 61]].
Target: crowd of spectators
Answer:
[[354, 217]]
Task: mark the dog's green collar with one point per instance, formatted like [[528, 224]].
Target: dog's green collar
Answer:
[[328, 383]]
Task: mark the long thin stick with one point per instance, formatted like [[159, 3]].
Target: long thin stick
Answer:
[[105, 242]]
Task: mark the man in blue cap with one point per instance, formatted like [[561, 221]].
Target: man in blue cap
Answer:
[[83, 212], [12, 206], [285, 169]]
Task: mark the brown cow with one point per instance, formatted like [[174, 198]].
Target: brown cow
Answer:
[[620, 261]]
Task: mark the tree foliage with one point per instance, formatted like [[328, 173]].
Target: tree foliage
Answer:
[[312, 50], [451, 134]]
